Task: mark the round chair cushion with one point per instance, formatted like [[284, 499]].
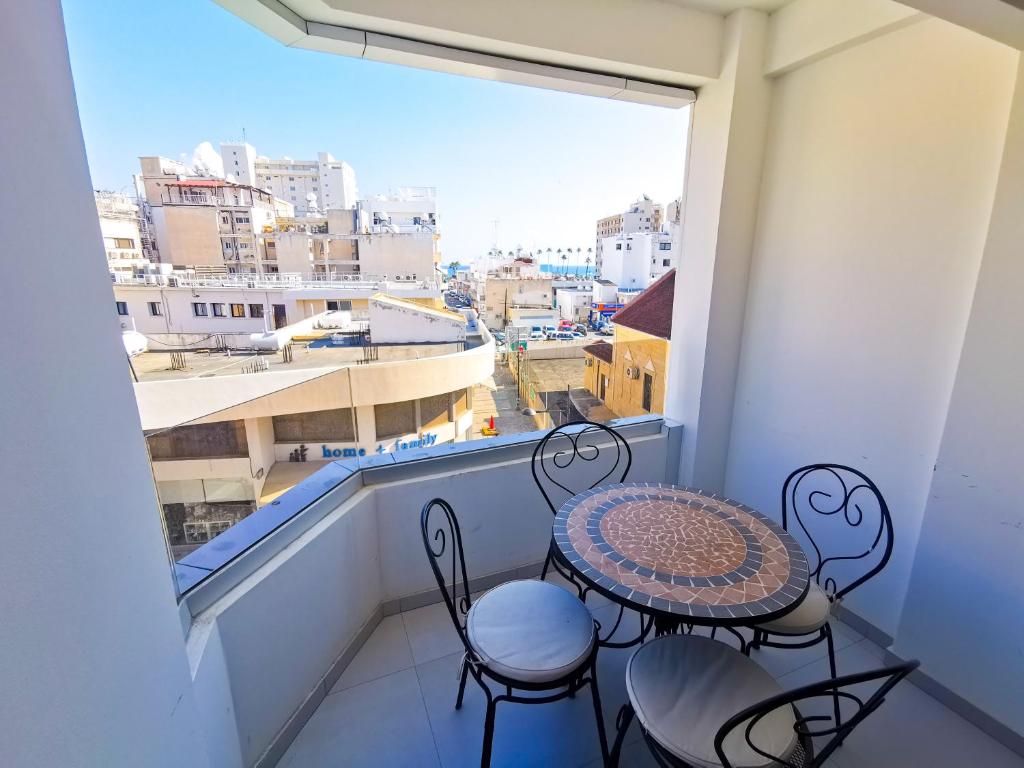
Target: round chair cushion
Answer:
[[809, 616], [530, 631], [684, 688]]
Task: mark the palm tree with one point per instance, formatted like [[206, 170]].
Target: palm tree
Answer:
[[565, 261], [587, 262], [578, 252]]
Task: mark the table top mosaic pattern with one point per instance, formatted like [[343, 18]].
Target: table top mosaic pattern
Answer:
[[675, 551]]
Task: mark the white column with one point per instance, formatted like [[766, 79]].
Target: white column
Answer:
[[92, 659], [968, 573], [719, 215]]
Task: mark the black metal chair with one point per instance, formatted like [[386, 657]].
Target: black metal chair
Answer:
[[702, 703], [558, 474], [522, 635], [842, 504]]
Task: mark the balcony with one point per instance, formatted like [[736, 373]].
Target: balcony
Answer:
[[850, 291], [363, 670]]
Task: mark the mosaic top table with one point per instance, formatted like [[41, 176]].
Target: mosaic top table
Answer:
[[680, 555]]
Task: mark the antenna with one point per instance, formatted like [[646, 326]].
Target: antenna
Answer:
[[243, 134]]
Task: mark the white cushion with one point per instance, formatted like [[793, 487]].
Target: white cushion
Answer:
[[809, 616], [684, 688], [530, 631]]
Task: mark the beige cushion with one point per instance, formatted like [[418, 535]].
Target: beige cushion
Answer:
[[531, 631], [809, 616], [684, 688]]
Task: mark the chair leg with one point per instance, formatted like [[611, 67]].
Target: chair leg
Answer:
[[547, 564], [485, 755], [462, 682], [755, 644], [599, 712], [827, 630], [622, 722]]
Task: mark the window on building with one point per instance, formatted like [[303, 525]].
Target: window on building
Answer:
[[156, 309], [122, 307], [395, 419], [218, 309], [618, 246], [255, 310], [199, 309], [238, 310], [337, 425], [242, 219], [666, 262], [222, 439], [665, 246], [124, 242], [435, 411], [648, 391]]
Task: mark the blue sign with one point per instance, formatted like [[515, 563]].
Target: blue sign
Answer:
[[423, 441], [342, 453]]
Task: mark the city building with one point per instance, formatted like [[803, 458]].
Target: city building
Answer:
[[574, 303], [634, 261], [120, 228], [336, 244], [208, 222], [508, 300], [230, 432], [642, 216], [183, 309], [311, 186], [630, 375]]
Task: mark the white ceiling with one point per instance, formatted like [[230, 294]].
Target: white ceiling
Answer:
[[728, 6]]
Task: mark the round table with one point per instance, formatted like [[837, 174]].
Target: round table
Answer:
[[681, 556]]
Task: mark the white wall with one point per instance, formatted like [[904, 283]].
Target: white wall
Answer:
[[879, 176], [392, 323], [968, 574], [397, 255], [93, 667]]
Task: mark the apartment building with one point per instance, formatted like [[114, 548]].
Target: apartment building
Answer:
[[337, 244], [502, 294], [208, 222], [120, 228], [644, 215], [312, 186], [182, 310], [634, 261]]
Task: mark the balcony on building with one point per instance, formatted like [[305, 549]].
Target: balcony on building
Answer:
[[848, 290]]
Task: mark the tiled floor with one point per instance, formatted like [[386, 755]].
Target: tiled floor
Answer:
[[394, 706]]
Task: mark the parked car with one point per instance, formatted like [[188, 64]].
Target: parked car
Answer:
[[536, 336], [580, 328], [498, 337], [604, 330], [565, 336]]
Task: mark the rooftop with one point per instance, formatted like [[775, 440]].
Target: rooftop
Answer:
[[651, 311], [600, 349], [157, 366]]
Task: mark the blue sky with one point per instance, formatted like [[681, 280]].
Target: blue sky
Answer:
[[545, 164]]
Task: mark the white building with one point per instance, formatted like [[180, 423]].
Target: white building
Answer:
[[644, 215], [120, 227], [312, 186], [184, 310], [407, 209], [574, 303], [637, 260]]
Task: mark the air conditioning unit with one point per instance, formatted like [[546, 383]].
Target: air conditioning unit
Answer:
[[632, 373]]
